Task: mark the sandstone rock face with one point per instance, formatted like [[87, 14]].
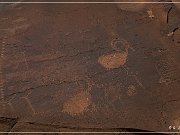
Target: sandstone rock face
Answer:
[[131, 6], [89, 67], [176, 4]]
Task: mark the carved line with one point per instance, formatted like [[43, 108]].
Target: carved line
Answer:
[[29, 103]]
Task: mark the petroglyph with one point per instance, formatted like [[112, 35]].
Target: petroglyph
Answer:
[[119, 44], [117, 59], [29, 103], [78, 103], [19, 20], [134, 75], [25, 60], [150, 13], [114, 60], [15, 29], [167, 71], [138, 81], [9, 102], [131, 90]]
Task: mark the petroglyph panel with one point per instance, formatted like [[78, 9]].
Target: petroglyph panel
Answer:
[[103, 66]]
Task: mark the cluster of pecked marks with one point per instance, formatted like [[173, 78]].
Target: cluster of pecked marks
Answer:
[[131, 90], [114, 60], [77, 104]]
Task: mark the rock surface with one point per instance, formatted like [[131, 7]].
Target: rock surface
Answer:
[[60, 72]]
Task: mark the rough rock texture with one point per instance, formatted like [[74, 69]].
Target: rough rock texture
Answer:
[[60, 72], [131, 6], [176, 4]]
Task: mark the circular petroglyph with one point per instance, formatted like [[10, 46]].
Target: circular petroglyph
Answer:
[[78, 103], [131, 90], [133, 7], [120, 45]]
